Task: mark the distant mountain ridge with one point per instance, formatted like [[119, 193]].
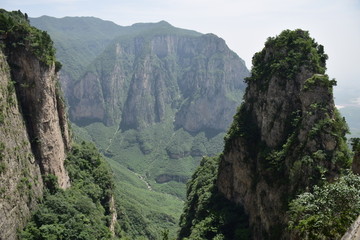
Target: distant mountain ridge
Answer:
[[191, 73], [150, 79], [83, 37]]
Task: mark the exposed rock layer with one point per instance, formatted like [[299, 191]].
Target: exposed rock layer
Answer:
[[147, 78], [34, 138], [43, 111], [20, 177]]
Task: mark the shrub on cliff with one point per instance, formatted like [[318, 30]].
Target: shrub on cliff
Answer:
[[328, 211]]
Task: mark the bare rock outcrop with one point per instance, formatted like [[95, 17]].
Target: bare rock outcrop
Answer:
[[44, 112], [171, 73], [20, 177]]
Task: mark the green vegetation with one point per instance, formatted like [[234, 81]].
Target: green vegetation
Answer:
[[142, 212], [10, 93], [80, 40], [2, 150], [2, 163], [355, 143], [80, 212], [312, 167], [241, 126], [285, 56], [17, 33], [180, 144], [2, 167], [320, 81], [282, 58], [74, 51], [137, 157], [134, 154], [2, 116], [328, 211], [115, 55], [154, 151], [208, 214]]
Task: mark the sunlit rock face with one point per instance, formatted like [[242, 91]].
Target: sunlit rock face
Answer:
[[192, 78]]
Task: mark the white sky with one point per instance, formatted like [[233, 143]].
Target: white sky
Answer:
[[244, 25]]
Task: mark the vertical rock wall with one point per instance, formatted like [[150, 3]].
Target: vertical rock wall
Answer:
[[43, 111], [21, 184], [34, 137]]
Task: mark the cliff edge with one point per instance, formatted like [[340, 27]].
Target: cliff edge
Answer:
[[34, 135]]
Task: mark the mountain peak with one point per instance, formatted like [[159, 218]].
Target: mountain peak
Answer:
[[163, 22], [287, 104]]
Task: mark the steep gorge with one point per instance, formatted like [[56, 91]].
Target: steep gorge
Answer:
[[154, 100]]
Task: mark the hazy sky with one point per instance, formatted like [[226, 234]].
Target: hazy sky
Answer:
[[244, 25]]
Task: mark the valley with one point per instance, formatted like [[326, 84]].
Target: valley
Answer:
[[154, 99], [151, 132], [154, 102]]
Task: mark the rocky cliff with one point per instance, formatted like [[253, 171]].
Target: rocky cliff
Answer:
[[34, 132], [79, 41], [21, 184], [44, 112], [161, 72], [354, 231], [287, 135]]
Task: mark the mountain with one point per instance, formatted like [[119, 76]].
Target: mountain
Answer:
[[285, 159], [78, 40], [155, 99], [179, 64], [36, 149], [148, 78]]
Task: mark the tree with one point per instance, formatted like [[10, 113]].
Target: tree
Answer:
[[328, 211]]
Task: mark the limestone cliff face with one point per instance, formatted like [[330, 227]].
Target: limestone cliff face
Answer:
[[208, 86], [34, 135], [286, 136], [141, 80], [43, 111], [20, 177], [33, 142]]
